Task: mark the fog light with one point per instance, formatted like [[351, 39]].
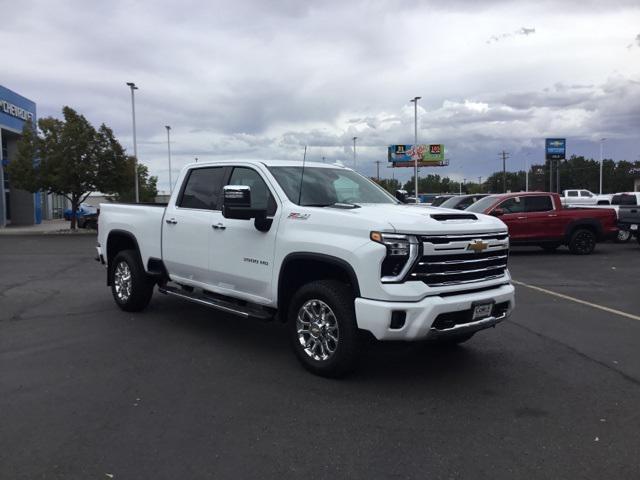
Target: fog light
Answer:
[[398, 320]]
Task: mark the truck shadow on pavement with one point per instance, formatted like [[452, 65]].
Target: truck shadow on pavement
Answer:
[[263, 347]]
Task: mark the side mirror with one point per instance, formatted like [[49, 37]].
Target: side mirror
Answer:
[[236, 204], [401, 195], [497, 212]]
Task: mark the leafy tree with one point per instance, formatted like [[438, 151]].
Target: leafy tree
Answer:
[[70, 158], [147, 186], [389, 184]]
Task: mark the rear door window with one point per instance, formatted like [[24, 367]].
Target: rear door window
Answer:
[[572, 193], [624, 199], [202, 189], [538, 203]]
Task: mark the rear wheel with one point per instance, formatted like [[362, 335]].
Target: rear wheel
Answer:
[[582, 242], [322, 328], [623, 236], [131, 287]]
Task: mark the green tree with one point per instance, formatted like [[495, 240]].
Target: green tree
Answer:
[[389, 184], [68, 157], [147, 185]]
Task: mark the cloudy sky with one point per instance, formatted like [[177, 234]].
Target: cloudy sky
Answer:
[[262, 79]]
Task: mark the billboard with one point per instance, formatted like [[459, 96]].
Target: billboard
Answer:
[[555, 148], [427, 155]]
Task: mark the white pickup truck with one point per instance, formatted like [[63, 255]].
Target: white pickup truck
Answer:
[[577, 198], [319, 247]]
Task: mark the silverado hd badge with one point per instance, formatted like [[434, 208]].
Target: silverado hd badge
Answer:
[[477, 246]]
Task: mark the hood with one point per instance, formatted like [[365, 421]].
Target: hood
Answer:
[[426, 220]]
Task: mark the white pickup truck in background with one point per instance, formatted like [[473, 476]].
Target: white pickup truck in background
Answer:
[[319, 247], [576, 198]]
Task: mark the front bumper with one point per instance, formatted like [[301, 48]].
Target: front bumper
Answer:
[[376, 315]]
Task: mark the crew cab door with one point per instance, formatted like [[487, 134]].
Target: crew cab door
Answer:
[[514, 216], [543, 221], [241, 256], [188, 224]]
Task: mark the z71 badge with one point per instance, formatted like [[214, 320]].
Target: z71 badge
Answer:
[[298, 216]]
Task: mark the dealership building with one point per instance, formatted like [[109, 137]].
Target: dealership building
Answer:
[[19, 207]]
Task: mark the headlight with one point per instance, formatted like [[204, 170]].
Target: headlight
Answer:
[[402, 250]]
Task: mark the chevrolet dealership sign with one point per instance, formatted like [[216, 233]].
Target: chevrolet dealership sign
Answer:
[[11, 109]]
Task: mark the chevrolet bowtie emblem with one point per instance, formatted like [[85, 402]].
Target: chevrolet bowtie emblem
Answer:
[[477, 246]]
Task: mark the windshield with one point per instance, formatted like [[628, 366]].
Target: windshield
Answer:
[[450, 202], [481, 205], [328, 186]]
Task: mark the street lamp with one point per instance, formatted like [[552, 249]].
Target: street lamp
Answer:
[[133, 87], [602, 140], [168, 127], [354, 152], [414, 100]]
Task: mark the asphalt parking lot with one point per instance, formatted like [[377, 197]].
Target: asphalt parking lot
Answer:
[[179, 391]]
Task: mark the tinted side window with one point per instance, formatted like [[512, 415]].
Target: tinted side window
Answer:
[[260, 195], [584, 193], [540, 203], [572, 193], [202, 189], [624, 199], [512, 205]]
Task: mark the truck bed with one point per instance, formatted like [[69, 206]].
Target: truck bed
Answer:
[[143, 221]]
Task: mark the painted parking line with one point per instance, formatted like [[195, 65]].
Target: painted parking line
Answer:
[[577, 300]]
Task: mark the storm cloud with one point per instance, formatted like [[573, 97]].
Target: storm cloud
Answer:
[[258, 79]]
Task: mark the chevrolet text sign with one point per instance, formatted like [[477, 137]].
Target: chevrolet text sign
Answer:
[[11, 109]]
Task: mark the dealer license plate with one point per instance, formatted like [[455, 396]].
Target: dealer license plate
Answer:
[[634, 227], [482, 311]]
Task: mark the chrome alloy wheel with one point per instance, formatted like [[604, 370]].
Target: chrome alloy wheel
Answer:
[[122, 281], [317, 329]]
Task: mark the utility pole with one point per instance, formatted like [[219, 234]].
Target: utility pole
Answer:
[[601, 160], [133, 87], [504, 155], [354, 152], [480, 184], [377, 162], [168, 127], [414, 100], [550, 175], [558, 163]]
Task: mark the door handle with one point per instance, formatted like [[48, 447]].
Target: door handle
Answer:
[[218, 226], [521, 218], [171, 221], [552, 215]]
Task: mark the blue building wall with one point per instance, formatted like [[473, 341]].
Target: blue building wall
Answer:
[[15, 110]]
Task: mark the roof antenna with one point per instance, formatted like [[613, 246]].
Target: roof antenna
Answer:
[[304, 159]]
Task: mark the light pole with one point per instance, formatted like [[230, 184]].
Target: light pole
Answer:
[[414, 100], [602, 140], [354, 152], [526, 172], [133, 87], [168, 127]]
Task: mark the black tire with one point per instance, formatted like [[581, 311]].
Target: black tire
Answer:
[[139, 287], [551, 248], [339, 299], [623, 236], [453, 340], [582, 242]]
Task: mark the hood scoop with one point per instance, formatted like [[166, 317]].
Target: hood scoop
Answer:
[[445, 217]]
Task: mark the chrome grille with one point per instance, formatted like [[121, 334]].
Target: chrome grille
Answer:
[[447, 260]]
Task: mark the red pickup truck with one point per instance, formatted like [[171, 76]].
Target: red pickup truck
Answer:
[[538, 218]]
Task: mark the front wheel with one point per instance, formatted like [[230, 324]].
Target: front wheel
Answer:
[[582, 242], [322, 328], [130, 285]]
